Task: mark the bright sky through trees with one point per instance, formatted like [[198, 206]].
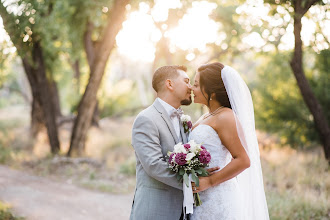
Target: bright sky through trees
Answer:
[[139, 35]]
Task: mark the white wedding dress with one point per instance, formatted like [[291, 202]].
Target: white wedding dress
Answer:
[[224, 200], [242, 197]]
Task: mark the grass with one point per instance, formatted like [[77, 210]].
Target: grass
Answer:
[[100, 178], [128, 167], [6, 139], [5, 213], [297, 183]]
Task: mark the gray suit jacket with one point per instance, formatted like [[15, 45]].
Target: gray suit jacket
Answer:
[[158, 194]]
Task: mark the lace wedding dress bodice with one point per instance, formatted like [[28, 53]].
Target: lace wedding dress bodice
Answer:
[[224, 200]]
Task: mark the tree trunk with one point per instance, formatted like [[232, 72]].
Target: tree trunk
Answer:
[[36, 73], [43, 94], [37, 117], [88, 102], [90, 49], [76, 69], [312, 103], [96, 115], [163, 56], [89, 44], [55, 98]]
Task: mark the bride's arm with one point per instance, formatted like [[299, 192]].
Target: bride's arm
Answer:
[[226, 128]]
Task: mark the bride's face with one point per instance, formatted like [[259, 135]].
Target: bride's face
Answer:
[[198, 95]]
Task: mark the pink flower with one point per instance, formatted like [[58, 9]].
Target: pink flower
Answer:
[[171, 158], [180, 159], [187, 146], [204, 157], [203, 147], [189, 124]]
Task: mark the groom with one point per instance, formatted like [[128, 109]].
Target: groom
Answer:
[[156, 130]]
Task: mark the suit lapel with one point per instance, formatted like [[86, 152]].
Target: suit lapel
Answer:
[[166, 118]]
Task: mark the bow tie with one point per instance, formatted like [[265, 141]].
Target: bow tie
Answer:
[[176, 113]]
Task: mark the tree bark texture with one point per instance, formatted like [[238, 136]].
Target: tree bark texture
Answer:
[[33, 63], [38, 120], [296, 63], [88, 102], [43, 103]]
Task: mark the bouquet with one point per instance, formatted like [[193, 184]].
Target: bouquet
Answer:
[[189, 160]]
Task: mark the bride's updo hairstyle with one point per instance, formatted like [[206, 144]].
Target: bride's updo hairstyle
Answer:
[[211, 82]]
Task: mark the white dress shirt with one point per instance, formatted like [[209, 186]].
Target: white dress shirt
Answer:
[[175, 120]]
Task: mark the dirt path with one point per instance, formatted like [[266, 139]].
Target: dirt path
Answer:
[[39, 198]]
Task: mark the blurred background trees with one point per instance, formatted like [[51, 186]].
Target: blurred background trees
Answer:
[[89, 60], [74, 75]]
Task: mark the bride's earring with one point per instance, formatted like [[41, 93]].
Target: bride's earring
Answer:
[[211, 96]]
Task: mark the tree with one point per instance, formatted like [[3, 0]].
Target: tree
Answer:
[[321, 122], [98, 58], [278, 103], [297, 9], [25, 29]]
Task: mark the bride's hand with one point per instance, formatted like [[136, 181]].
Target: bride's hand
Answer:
[[204, 184]]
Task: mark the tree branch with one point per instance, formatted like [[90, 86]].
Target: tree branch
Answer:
[[20, 92], [310, 4], [113, 26], [88, 43], [8, 22]]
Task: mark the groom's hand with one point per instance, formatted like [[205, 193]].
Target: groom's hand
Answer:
[[212, 170]]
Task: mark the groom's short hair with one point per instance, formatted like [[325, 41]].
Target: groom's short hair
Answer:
[[163, 73]]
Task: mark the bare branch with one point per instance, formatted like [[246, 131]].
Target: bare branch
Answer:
[[88, 43], [309, 4]]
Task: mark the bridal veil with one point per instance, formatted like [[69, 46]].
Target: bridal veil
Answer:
[[250, 180]]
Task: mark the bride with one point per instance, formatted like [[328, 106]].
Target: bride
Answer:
[[228, 132]]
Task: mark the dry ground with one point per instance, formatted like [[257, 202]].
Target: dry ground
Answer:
[[40, 198]]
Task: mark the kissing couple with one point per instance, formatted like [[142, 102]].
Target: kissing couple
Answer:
[[234, 187]]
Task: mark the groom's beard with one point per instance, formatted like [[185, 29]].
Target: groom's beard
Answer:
[[186, 101]]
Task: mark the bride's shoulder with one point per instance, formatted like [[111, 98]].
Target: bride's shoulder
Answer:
[[225, 112], [225, 118]]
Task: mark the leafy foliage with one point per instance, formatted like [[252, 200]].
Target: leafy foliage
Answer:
[[279, 106]]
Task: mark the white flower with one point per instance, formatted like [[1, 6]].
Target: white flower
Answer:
[[194, 147], [179, 148], [185, 118], [190, 156]]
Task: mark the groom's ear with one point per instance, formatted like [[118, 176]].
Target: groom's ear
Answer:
[[169, 84]]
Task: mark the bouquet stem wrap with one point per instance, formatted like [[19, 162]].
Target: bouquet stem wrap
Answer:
[[188, 200]]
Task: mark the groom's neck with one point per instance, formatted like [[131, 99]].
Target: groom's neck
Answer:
[[169, 100]]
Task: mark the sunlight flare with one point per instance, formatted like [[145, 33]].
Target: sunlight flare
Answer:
[[195, 29]]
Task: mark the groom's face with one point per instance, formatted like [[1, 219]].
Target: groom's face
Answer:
[[182, 88]]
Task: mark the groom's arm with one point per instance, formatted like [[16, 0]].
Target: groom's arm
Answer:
[[146, 143]]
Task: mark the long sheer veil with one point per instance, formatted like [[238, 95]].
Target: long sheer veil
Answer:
[[250, 180]]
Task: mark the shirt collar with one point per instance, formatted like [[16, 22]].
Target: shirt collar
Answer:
[[168, 108]]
